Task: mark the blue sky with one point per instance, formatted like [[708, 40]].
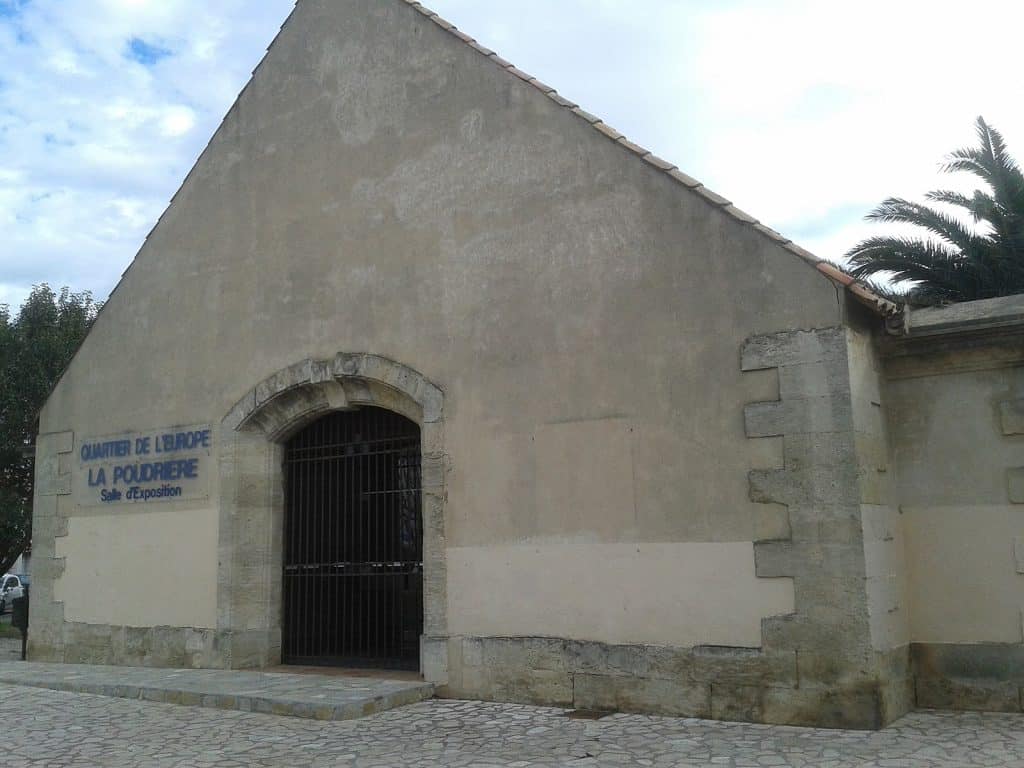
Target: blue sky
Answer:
[[804, 113]]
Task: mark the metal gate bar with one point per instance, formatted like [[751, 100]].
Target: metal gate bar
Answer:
[[353, 542]]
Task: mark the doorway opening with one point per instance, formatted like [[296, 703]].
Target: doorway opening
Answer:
[[353, 542]]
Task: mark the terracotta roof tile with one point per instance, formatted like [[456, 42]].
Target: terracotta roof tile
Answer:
[[592, 119], [684, 178], [634, 148], [835, 273], [803, 253], [872, 299], [500, 61], [742, 215], [482, 49], [520, 74], [659, 163], [769, 232], [858, 289], [714, 197], [608, 131]]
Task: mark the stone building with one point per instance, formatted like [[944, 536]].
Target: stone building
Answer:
[[427, 367]]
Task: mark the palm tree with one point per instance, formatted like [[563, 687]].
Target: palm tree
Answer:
[[956, 262]]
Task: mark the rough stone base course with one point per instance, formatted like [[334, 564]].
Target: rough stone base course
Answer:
[[988, 677], [739, 684]]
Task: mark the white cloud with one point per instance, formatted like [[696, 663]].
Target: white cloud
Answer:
[[94, 142], [804, 113], [825, 107], [177, 121]]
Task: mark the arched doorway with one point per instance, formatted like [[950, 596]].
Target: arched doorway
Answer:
[[353, 542]]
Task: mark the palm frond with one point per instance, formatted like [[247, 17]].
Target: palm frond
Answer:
[[978, 206], [899, 211], [956, 263], [953, 275], [993, 164]]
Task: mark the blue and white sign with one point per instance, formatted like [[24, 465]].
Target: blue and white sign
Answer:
[[144, 467]]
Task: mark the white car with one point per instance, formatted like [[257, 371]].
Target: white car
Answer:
[[10, 589]]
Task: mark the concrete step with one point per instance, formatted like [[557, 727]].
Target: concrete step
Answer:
[[326, 696]]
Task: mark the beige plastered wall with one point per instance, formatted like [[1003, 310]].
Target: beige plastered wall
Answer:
[[681, 594], [382, 187], [141, 569], [954, 451]]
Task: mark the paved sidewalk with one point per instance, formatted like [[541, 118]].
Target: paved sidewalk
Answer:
[[50, 729], [320, 697]]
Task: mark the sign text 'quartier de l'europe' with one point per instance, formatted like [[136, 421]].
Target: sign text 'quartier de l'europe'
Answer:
[[144, 467]]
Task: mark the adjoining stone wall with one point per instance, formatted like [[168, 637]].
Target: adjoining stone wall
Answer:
[[955, 398]]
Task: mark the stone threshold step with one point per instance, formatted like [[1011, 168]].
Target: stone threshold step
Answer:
[[312, 696]]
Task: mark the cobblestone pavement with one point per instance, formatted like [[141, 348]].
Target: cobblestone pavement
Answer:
[[54, 729]]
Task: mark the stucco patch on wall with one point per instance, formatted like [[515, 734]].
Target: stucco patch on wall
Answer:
[[141, 569], [682, 594]]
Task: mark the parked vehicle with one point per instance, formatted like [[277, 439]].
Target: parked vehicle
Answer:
[[10, 589], [26, 581]]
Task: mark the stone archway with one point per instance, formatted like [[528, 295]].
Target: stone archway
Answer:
[[252, 435]]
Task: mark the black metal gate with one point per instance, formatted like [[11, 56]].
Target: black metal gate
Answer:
[[353, 542]]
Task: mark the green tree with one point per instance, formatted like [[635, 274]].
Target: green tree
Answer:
[[35, 347], [956, 261]]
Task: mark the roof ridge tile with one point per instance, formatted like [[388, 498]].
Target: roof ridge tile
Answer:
[[608, 131], [712, 196], [481, 48], [634, 147], [739, 213], [592, 119], [558, 98], [769, 232], [520, 74], [685, 178], [659, 162], [500, 61]]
